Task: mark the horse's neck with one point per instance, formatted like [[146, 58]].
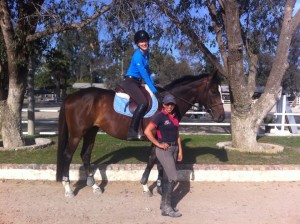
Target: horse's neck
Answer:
[[186, 102]]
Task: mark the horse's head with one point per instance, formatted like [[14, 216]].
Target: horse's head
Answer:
[[212, 99], [202, 89]]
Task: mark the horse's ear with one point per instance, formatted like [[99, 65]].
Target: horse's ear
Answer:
[[213, 75]]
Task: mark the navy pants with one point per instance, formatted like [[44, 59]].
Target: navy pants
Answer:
[[132, 88]]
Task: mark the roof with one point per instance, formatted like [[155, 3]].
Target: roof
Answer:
[[259, 89], [42, 92], [83, 85]]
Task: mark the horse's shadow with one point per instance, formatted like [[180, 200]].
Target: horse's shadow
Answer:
[[101, 164], [140, 153]]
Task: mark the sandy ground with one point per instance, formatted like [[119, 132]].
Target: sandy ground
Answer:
[[26, 202], [31, 202]]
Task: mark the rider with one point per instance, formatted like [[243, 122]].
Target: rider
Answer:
[[138, 71]]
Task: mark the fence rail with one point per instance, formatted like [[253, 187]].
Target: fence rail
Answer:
[[281, 126]]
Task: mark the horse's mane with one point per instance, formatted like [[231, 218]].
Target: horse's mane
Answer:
[[183, 80]]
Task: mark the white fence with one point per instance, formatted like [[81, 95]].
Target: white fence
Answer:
[[280, 127]]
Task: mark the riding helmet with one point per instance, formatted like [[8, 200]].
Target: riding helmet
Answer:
[[141, 35]]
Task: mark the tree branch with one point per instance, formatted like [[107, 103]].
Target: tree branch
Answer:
[[6, 26], [280, 63], [187, 30], [218, 29], [69, 26]]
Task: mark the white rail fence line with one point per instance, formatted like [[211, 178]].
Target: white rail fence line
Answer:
[[282, 125]]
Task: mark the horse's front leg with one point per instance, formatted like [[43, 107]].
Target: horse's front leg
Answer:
[[87, 147], [145, 176], [69, 193]]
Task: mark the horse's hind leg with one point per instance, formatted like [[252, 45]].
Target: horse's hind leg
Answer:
[[67, 158], [145, 176], [159, 182], [87, 147]]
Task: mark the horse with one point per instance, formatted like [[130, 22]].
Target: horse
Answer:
[[82, 114]]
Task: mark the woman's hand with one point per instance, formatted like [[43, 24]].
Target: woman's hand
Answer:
[[163, 146], [179, 159]]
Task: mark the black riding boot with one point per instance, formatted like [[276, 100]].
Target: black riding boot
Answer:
[[166, 207], [133, 129]]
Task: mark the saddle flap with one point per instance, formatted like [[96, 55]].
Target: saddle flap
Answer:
[[132, 104], [123, 104]]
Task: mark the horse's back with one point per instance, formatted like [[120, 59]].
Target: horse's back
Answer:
[[84, 106], [91, 93]]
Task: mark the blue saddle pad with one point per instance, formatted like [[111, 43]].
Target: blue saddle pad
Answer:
[[121, 105]]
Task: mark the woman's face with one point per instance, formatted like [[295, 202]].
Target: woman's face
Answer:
[[169, 107], [143, 45]]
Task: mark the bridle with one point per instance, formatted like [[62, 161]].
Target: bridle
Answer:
[[208, 108]]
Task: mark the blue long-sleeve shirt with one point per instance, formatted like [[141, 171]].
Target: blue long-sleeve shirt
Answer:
[[139, 68]]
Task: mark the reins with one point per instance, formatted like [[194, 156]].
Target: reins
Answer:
[[209, 107]]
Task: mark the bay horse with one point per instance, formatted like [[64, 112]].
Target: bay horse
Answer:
[[84, 112]]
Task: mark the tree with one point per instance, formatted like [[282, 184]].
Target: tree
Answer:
[[166, 67], [291, 81], [22, 23], [58, 70], [81, 48], [237, 25]]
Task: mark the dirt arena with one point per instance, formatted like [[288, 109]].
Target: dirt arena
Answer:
[[28, 202], [33, 202]]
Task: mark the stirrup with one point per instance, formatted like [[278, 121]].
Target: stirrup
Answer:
[[132, 135], [135, 136]]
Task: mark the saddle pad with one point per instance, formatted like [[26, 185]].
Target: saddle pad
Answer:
[[121, 104]]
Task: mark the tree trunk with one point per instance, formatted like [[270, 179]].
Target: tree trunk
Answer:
[[244, 132], [11, 120], [243, 120]]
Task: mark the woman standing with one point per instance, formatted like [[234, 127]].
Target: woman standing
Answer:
[[168, 150], [138, 71]]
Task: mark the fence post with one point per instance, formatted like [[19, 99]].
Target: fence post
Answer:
[[283, 112]]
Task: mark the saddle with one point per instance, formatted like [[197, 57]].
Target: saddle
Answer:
[[132, 105]]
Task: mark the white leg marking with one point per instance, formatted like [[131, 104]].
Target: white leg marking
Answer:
[[146, 191], [68, 190], [96, 189]]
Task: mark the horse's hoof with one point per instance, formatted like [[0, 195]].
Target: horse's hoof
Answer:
[[148, 193], [159, 190], [69, 195], [172, 214], [90, 181], [144, 180], [97, 191]]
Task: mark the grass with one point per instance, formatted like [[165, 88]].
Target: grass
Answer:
[[200, 149]]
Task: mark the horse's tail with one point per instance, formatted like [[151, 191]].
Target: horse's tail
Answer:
[[62, 142]]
